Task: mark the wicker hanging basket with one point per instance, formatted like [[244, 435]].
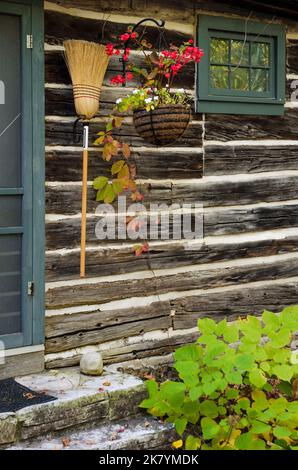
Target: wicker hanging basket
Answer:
[[163, 125]]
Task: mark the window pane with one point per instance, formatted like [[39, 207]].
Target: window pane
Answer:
[[239, 53], [10, 211], [260, 54], [219, 51], [259, 80], [10, 282], [219, 77], [10, 101], [240, 79]]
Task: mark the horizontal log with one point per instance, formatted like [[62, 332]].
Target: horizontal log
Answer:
[[60, 26], [217, 304], [169, 9], [232, 159], [61, 132], [205, 277], [66, 165], [66, 233], [109, 261], [67, 199], [56, 71], [292, 56], [130, 323], [232, 303], [240, 127], [231, 221], [139, 347]]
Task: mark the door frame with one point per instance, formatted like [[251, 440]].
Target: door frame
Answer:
[[34, 143]]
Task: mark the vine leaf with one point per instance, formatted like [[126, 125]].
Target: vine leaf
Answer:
[[117, 167], [139, 249], [100, 182], [126, 150]]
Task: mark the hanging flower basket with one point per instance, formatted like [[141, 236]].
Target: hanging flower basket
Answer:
[[163, 125]]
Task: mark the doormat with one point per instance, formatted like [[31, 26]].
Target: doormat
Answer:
[[14, 396]]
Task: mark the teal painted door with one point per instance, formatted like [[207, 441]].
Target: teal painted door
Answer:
[[16, 180]]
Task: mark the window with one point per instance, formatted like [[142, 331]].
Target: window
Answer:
[[244, 62]]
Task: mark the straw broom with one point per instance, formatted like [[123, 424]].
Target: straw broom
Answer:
[[87, 64]]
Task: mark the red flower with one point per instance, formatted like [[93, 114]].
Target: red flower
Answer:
[[124, 37], [133, 35], [118, 80], [125, 58], [129, 76], [110, 49], [190, 41], [167, 75]]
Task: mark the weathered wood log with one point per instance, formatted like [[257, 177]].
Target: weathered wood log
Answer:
[[61, 132], [230, 221], [65, 233], [60, 26], [109, 261], [125, 329], [292, 56], [232, 303], [66, 165], [169, 9], [141, 347], [66, 199], [106, 291], [56, 70], [232, 159], [240, 127], [229, 303]]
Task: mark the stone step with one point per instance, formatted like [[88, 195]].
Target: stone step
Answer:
[[140, 433], [82, 401]]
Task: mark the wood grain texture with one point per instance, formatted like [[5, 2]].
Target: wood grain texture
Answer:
[[292, 56], [208, 278], [236, 127], [231, 221], [169, 9], [143, 348], [61, 26], [66, 199], [65, 165], [66, 232], [138, 321], [233, 159], [108, 261], [56, 70], [230, 304], [61, 133]]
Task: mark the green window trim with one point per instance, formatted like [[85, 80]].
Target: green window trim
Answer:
[[269, 71]]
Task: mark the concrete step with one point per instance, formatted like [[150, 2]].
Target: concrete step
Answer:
[[82, 401], [131, 434]]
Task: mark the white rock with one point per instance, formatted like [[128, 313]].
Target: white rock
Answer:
[[91, 363]]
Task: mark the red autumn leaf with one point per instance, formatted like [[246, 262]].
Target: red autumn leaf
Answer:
[[140, 249]]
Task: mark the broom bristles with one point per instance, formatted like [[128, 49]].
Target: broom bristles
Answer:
[[87, 63]]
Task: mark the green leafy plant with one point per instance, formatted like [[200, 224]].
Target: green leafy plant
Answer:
[[237, 386]]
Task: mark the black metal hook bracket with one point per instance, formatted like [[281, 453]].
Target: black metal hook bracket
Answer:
[[159, 24]]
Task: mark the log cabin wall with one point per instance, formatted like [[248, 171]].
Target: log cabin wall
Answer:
[[243, 168]]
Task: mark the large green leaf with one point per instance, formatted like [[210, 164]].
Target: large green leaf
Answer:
[[257, 378], [209, 428], [180, 425]]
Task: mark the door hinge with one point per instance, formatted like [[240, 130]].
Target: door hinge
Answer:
[[30, 288], [29, 41]]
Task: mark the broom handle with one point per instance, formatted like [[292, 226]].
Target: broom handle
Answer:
[[84, 202]]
